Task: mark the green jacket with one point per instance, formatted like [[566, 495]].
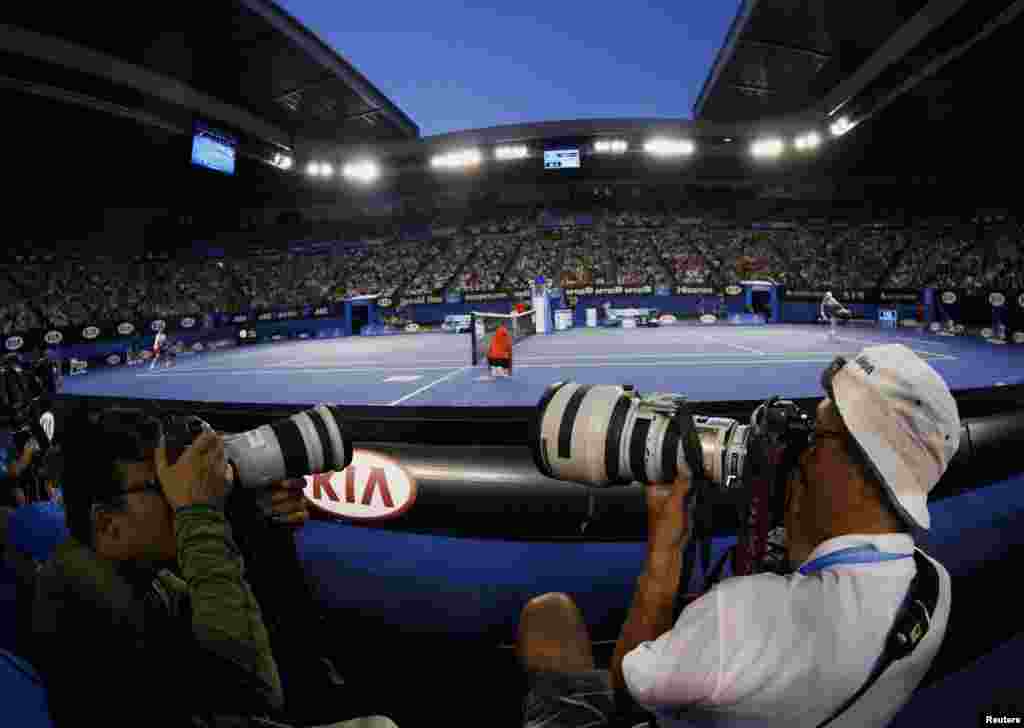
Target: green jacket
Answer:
[[123, 645]]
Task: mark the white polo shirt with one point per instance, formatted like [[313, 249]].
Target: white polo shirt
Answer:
[[787, 651]]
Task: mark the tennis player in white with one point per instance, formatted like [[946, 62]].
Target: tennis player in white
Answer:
[[158, 342], [832, 311]]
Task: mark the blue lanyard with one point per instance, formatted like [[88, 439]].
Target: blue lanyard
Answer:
[[854, 555]]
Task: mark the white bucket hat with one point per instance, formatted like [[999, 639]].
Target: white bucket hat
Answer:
[[903, 415]]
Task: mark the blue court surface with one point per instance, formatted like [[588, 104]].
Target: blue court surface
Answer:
[[712, 363]]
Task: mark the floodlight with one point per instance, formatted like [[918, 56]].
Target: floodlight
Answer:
[[506, 153], [810, 140], [313, 169], [365, 171], [669, 147], [614, 146], [841, 126], [462, 158], [767, 148]]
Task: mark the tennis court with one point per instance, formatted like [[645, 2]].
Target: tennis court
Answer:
[[707, 363]]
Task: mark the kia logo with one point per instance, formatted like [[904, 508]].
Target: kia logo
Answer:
[[188, 323], [372, 488], [707, 319], [733, 290], [53, 337], [113, 359], [949, 297], [125, 328], [997, 299], [197, 346], [14, 343], [412, 327], [158, 325], [91, 332]]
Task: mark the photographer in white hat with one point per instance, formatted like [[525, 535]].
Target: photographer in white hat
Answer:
[[772, 650]]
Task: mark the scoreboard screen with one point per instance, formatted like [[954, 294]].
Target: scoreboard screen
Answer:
[[213, 150], [562, 159]]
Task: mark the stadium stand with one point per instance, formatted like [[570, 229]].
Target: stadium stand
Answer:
[[504, 253]]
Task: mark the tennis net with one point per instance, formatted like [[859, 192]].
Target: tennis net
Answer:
[[520, 326]]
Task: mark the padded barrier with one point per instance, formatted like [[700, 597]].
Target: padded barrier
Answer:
[[476, 587]]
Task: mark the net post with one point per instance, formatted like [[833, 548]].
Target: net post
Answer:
[[472, 334]]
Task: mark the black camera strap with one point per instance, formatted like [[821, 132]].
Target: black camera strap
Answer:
[[911, 626]]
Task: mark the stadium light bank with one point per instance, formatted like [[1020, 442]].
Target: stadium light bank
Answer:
[[670, 147], [841, 126], [503, 154], [320, 169], [282, 161], [611, 146], [807, 142], [767, 148], [364, 172], [457, 160]]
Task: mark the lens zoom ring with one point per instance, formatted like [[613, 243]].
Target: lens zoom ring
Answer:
[[569, 421]]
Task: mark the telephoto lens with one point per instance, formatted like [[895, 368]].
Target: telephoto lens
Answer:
[[609, 435], [309, 442], [605, 435]]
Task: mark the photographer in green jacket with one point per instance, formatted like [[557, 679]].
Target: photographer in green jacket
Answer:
[[144, 616]]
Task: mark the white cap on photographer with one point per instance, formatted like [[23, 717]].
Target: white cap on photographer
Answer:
[[903, 415]]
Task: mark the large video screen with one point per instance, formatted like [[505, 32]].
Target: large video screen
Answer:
[[214, 149], [562, 159]]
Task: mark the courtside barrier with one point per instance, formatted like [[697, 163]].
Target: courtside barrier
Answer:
[[469, 471]]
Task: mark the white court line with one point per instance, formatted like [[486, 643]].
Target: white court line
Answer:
[[912, 348], [735, 346], [747, 362], [425, 388], [270, 370]]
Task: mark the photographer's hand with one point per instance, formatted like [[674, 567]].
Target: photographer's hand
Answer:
[[288, 503], [668, 522], [198, 477]]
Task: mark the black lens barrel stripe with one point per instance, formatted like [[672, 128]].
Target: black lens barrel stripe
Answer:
[[669, 453], [293, 447], [613, 440], [637, 446], [569, 421], [330, 457]]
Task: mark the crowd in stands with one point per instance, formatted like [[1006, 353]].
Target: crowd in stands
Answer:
[[509, 253]]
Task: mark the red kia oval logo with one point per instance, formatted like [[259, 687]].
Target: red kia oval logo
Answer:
[[373, 487]]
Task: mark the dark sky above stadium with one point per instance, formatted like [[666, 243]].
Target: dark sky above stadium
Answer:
[[455, 65]]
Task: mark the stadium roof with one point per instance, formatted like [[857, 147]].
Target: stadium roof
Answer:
[[785, 56], [246, 64]]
